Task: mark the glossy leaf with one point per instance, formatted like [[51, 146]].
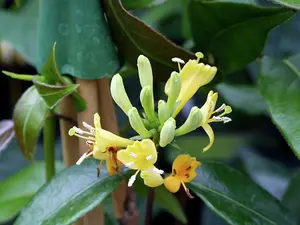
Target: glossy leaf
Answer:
[[223, 191], [29, 115], [20, 29], [134, 4], [163, 198], [280, 87], [6, 133], [295, 4], [270, 175], [18, 190], [70, 195], [53, 76], [291, 196], [245, 98], [84, 47], [225, 29], [53, 94], [133, 38]]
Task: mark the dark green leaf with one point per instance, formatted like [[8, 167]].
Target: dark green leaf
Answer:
[[6, 133], [17, 190], [236, 199], [226, 30], [133, 38], [295, 4], [134, 4], [243, 97], [29, 114], [84, 47], [270, 175], [70, 195], [19, 28], [52, 94], [291, 196], [280, 87], [163, 198]]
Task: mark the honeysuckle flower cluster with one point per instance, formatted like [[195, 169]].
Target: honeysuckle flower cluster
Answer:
[[156, 128]]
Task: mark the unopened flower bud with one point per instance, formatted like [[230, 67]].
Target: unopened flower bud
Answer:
[[167, 132], [119, 94], [163, 111], [173, 90], [192, 122], [137, 124], [145, 71], [146, 98]]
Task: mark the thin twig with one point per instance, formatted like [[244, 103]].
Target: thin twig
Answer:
[[149, 206]]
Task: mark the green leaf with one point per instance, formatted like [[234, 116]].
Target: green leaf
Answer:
[[270, 175], [53, 76], [134, 4], [280, 86], [18, 190], [163, 198], [235, 198], [295, 4], [70, 195], [19, 28], [245, 98], [291, 196], [84, 47], [134, 38], [29, 115], [53, 94], [225, 29], [6, 133]]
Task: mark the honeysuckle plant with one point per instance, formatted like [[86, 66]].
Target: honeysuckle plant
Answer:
[[167, 147], [156, 129]]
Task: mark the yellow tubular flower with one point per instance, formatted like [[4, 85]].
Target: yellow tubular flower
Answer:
[[192, 76], [141, 156], [183, 171], [207, 111], [103, 144]]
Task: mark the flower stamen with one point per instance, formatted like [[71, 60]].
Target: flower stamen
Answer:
[[187, 191]]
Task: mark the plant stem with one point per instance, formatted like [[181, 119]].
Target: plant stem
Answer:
[[49, 147], [149, 206]]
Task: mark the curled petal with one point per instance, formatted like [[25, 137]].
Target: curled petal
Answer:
[[209, 131]]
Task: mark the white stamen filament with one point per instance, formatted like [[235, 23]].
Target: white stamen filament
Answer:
[[155, 170], [217, 118], [226, 119], [83, 157], [78, 130], [89, 127], [178, 60], [130, 164], [133, 155], [149, 157], [132, 179], [221, 108]]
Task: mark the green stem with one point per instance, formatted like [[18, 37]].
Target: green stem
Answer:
[[49, 147]]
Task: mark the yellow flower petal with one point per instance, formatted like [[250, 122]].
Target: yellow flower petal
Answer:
[[193, 76], [184, 167], [113, 165], [151, 178], [109, 139], [172, 183], [209, 131], [141, 155]]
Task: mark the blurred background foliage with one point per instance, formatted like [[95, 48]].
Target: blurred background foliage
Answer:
[[251, 142]]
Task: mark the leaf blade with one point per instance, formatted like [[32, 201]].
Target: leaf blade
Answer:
[[216, 185], [27, 121], [81, 192]]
